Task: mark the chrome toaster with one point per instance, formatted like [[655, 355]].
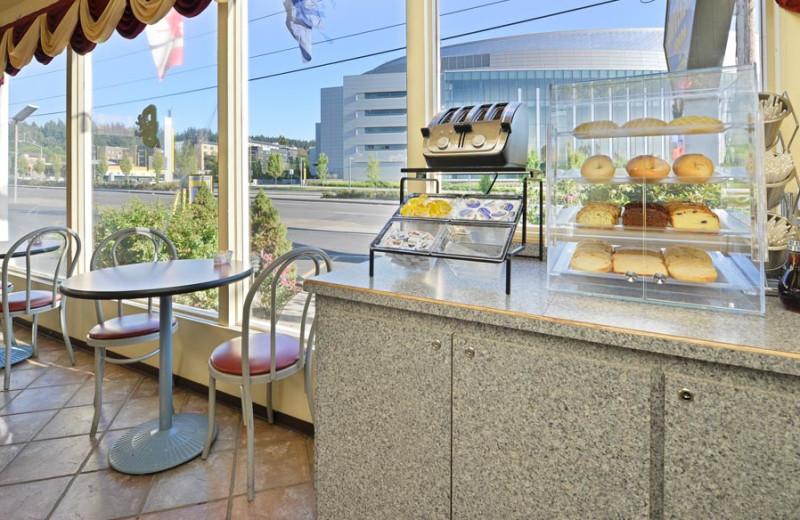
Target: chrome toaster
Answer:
[[492, 134]]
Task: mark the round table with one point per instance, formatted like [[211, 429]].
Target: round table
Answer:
[[172, 439], [21, 352]]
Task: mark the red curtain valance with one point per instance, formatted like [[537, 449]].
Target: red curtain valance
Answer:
[[81, 24], [792, 5]]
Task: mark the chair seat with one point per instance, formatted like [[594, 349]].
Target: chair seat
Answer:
[[16, 300], [124, 327], [227, 357]]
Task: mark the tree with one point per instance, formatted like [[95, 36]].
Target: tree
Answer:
[[275, 166], [23, 166], [255, 168], [322, 166], [187, 160], [102, 167], [374, 170], [39, 166], [267, 232], [212, 165], [158, 161], [126, 166], [533, 160], [57, 165], [282, 140]]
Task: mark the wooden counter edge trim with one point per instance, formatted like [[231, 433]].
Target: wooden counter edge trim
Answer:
[[564, 321]]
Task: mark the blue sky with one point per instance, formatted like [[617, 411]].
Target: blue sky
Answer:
[[125, 79]]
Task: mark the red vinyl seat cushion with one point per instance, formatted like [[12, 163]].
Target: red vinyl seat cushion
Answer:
[[228, 356], [124, 327], [16, 300]]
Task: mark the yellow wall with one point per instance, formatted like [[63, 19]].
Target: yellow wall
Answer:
[[783, 74]]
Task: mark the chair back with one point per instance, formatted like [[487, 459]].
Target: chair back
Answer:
[[60, 240], [272, 278], [121, 248]]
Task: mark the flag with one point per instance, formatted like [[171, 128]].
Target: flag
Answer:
[[301, 17], [166, 42]]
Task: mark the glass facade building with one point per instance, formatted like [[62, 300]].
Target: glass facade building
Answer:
[[519, 68]]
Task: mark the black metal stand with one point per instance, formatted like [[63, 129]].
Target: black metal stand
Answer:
[[528, 175]]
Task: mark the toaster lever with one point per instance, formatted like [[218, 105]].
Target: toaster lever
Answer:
[[505, 126], [426, 132], [462, 128]]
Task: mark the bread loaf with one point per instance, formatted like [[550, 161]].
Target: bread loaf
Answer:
[[652, 215], [691, 215], [598, 214], [594, 128], [644, 262], [592, 255], [689, 264]]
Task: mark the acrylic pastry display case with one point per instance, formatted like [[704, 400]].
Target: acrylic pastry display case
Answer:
[[654, 192]]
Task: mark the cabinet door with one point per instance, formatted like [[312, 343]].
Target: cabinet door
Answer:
[[542, 435], [730, 452], [382, 419]]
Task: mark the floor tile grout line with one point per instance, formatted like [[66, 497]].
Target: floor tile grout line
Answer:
[[236, 447], [97, 442]]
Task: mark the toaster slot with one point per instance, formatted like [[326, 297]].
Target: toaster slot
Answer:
[[496, 112], [461, 115], [447, 115], [479, 113]]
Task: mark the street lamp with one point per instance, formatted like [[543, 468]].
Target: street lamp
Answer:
[[17, 119], [350, 173]]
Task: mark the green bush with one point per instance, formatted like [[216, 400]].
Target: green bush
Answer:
[[358, 194]]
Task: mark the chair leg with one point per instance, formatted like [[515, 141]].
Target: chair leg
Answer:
[[34, 335], [67, 342], [99, 368], [8, 339], [212, 412], [270, 419], [248, 411]]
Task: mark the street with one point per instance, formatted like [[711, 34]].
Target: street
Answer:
[[343, 229]]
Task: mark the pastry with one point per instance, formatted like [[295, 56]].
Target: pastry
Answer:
[[645, 122], [689, 264], [591, 255], [598, 214], [690, 215], [698, 124], [647, 168], [594, 128], [644, 262], [651, 215], [411, 240], [693, 167], [598, 168]]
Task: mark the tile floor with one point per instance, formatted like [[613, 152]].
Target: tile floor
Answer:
[[51, 469]]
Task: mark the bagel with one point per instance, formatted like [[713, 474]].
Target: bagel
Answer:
[[693, 167], [598, 168], [647, 168]]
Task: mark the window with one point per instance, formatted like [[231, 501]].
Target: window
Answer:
[[384, 95], [162, 179], [385, 112], [384, 130], [374, 147]]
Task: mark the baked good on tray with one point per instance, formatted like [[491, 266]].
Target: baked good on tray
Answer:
[[591, 255], [645, 122], [693, 167], [598, 168], [691, 215], [697, 124], [689, 264], [594, 128], [647, 168], [651, 215], [644, 262], [598, 214]]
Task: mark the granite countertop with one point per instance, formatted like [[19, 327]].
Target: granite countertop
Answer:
[[769, 343]]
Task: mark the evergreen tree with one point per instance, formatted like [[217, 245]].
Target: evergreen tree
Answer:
[[267, 232]]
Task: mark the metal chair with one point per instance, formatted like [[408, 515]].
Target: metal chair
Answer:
[[265, 357], [131, 329], [32, 302]]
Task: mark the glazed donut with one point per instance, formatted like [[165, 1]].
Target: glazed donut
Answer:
[[598, 168], [647, 167], [693, 167]]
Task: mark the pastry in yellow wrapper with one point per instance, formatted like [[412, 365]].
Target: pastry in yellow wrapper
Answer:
[[423, 206]]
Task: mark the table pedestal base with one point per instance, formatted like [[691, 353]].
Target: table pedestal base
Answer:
[[18, 353], [146, 449]]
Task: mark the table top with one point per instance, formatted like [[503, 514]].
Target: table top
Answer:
[[154, 279], [45, 246]]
